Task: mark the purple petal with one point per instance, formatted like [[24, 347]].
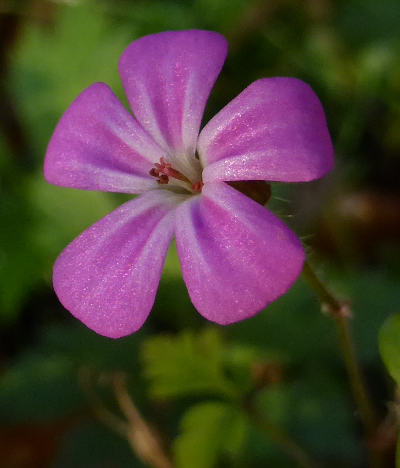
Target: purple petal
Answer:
[[98, 145], [236, 256], [274, 130], [167, 78], [108, 276]]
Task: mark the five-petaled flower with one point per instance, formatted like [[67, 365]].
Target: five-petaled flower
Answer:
[[236, 256]]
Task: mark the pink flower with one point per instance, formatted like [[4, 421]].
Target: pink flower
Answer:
[[236, 256]]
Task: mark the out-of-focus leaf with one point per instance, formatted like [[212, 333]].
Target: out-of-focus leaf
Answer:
[[318, 394], [364, 21], [291, 328], [374, 296], [94, 446], [389, 345], [83, 48], [186, 364], [39, 387], [85, 348], [208, 432], [274, 403], [21, 259], [64, 214]]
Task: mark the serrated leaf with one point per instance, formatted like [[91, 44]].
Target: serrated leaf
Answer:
[[389, 345], [208, 432], [185, 364]]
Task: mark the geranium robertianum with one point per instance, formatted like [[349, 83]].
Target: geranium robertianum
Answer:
[[236, 256]]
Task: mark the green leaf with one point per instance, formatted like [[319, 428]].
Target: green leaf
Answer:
[[186, 364], [39, 387], [91, 445], [274, 403], [84, 48], [209, 431], [21, 258], [64, 213], [389, 345]]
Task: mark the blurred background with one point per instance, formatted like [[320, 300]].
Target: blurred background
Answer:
[[57, 379]]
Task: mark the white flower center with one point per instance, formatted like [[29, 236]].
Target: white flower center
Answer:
[[168, 175]]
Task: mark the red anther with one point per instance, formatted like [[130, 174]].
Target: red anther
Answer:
[[197, 186], [163, 179], [163, 171]]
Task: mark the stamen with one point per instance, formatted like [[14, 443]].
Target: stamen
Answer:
[[163, 179], [163, 171], [197, 186]]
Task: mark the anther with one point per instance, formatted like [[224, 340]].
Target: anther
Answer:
[[164, 171], [197, 186], [163, 179]]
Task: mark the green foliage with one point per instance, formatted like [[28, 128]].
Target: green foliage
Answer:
[[186, 364], [389, 345], [374, 297], [39, 387], [209, 431], [21, 260], [90, 445], [274, 402], [64, 213], [85, 48]]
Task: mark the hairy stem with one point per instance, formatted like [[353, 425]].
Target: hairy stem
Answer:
[[341, 313]]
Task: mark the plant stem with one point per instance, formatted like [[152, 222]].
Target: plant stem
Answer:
[[102, 413], [280, 438], [143, 439], [341, 313], [141, 436]]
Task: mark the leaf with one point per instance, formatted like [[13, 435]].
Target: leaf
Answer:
[[209, 431], [274, 403], [21, 262], [39, 387], [185, 364], [90, 445], [83, 48], [389, 345], [64, 213]]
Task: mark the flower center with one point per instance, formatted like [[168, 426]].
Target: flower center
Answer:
[[164, 171]]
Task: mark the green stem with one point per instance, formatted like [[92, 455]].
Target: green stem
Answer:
[[281, 439], [340, 312]]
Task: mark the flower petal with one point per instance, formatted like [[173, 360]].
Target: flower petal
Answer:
[[167, 78], [236, 256], [274, 130], [108, 276], [98, 145]]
